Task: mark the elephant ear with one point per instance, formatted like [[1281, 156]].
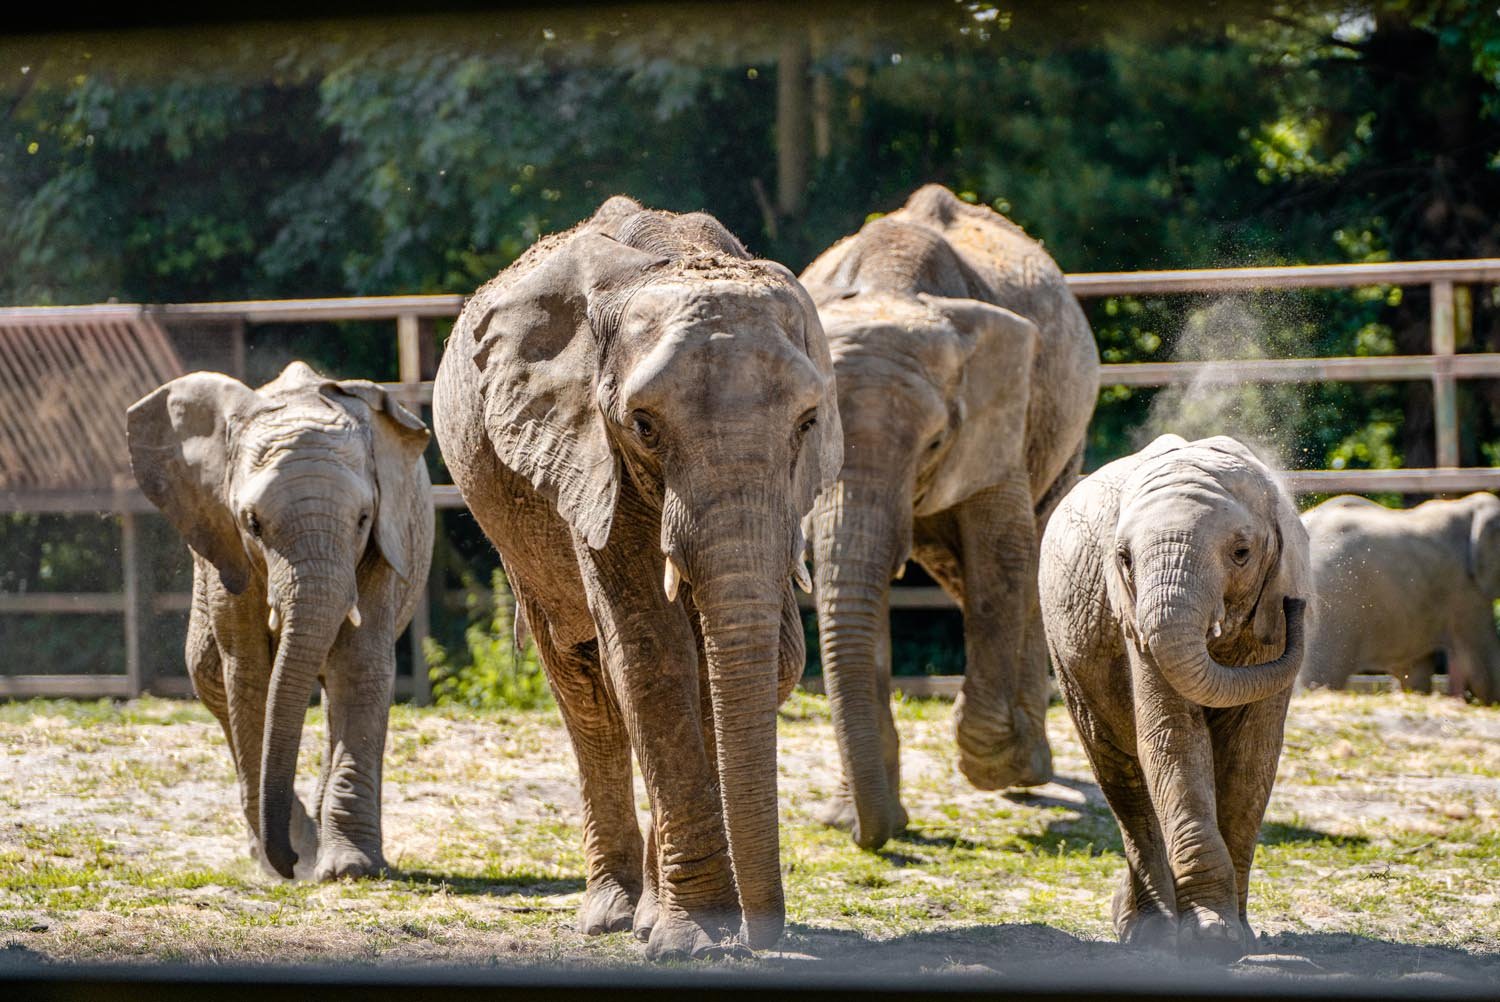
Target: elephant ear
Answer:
[[535, 343], [1484, 544], [996, 349], [822, 456], [397, 438], [1289, 573], [181, 439]]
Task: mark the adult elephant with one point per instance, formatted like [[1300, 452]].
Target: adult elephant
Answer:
[[639, 414], [1173, 587], [309, 512], [966, 378], [1397, 588]]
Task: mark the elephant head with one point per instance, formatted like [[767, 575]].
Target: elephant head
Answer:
[[283, 486], [648, 350], [1484, 543], [924, 428], [1210, 558]]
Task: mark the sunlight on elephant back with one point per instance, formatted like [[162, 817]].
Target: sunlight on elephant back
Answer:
[[65, 382]]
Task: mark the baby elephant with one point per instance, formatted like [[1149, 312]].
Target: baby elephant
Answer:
[[1396, 587], [1173, 584], [309, 513]]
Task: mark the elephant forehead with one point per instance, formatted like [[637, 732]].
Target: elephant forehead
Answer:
[[297, 433]]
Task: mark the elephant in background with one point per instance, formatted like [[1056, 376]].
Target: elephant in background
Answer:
[[309, 513], [1396, 588], [967, 375], [1173, 589], [638, 415]]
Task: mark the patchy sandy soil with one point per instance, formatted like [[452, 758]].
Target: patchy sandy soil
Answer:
[[120, 839]]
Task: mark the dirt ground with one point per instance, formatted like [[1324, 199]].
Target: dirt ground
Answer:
[[120, 840]]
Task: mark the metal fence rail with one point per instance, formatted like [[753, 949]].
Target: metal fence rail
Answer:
[[414, 315]]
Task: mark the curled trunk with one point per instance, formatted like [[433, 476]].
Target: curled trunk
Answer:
[[1180, 647], [851, 545]]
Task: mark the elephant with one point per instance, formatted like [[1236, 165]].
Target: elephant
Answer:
[[966, 376], [1174, 584], [639, 414], [1397, 588], [308, 510]]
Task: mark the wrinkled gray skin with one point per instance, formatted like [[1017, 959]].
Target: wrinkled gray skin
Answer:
[[639, 415], [966, 377], [1173, 584], [1396, 587], [302, 501]]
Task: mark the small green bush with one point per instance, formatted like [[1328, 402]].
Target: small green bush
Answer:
[[498, 673]]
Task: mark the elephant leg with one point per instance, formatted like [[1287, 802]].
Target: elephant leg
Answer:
[[204, 665], [244, 649], [1246, 748], [1177, 760], [360, 678], [1417, 676], [611, 835], [646, 908], [1000, 716], [1145, 905], [651, 660]]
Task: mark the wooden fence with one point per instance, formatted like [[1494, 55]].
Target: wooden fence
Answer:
[[413, 317]]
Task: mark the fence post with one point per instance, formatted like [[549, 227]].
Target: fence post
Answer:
[[409, 363], [130, 566], [1444, 386]]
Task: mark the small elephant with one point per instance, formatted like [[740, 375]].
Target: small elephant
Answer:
[[638, 415], [309, 513], [966, 377], [1397, 588], [1173, 588]]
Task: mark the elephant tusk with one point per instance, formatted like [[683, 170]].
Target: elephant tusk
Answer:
[[274, 620], [1218, 629], [900, 572], [355, 619], [671, 578], [803, 578]]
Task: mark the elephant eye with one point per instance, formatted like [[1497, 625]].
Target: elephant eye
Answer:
[[645, 429], [364, 519], [933, 445], [1241, 554], [1123, 552], [252, 523], [805, 424]]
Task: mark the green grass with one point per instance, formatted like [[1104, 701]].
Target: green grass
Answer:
[[124, 841]]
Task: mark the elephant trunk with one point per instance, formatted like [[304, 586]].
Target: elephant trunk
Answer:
[[853, 532], [738, 584], [314, 602], [1174, 617]]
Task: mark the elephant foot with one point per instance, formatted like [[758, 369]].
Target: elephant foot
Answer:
[[1202, 932], [646, 910], [607, 907], [1141, 928], [840, 813], [337, 862], [1001, 768], [990, 757], [676, 936]]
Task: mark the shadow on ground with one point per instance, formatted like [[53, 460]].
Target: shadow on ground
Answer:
[[1043, 953], [526, 884]]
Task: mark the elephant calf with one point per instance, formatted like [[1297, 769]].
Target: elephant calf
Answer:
[[1395, 588], [309, 513], [1173, 584]]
